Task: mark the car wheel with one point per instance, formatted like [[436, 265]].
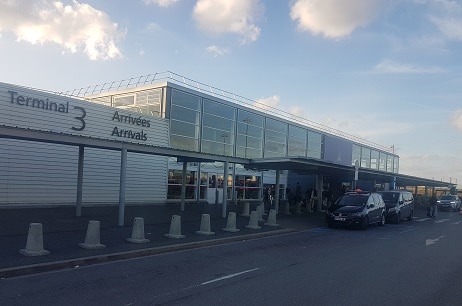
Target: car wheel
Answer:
[[382, 220], [398, 218], [411, 215], [365, 222]]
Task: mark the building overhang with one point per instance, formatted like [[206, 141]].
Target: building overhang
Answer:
[[313, 166]]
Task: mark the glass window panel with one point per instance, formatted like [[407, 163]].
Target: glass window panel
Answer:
[[218, 109], [248, 141], [124, 100], [149, 110], [374, 159], [248, 153], [185, 100], [184, 129], [217, 135], [216, 148], [314, 137], [275, 148], [382, 161], [250, 118], [218, 122], [178, 142], [247, 129], [389, 163], [396, 165], [298, 132], [297, 142], [276, 137], [102, 100], [356, 154], [275, 125], [184, 114], [313, 154], [296, 151], [365, 157]]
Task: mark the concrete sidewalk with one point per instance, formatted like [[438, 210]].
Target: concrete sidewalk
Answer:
[[63, 231]]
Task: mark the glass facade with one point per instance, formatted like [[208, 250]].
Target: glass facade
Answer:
[[297, 141], [314, 145], [213, 126], [218, 126], [209, 126], [204, 124], [376, 160], [249, 135], [275, 138], [185, 116]]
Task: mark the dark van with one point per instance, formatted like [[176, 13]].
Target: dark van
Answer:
[[400, 204]]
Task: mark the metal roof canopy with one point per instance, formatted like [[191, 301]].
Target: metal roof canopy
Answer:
[[312, 166]]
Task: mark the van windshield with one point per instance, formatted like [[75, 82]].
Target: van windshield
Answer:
[[448, 197], [353, 200], [390, 197]]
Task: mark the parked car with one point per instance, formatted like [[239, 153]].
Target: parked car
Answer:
[[448, 202], [399, 203], [357, 209]]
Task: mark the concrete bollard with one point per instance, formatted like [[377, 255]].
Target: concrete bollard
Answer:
[[272, 218], [231, 223], [175, 228], [259, 211], [287, 208], [205, 226], [92, 238], [262, 204], [253, 222], [246, 210], [138, 232], [298, 208], [34, 244]]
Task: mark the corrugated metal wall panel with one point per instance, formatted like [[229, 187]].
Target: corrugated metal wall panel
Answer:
[[41, 173], [35, 172], [146, 178]]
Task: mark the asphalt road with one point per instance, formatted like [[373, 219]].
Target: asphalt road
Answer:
[[412, 263]]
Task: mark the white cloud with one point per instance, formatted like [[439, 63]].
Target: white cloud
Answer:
[[446, 15], [161, 3], [333, 18], [225, 16], [457, 119], [389, 66], [267, 104], [217, 51], [436, 165], [451, 27], [77, 27]]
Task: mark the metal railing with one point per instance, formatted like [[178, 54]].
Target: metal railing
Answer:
[[220, 93]]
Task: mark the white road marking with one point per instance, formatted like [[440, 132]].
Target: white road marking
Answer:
[[421, 220], [228, 276], [441, 220], [410, 228], [433, 241], [458, 222], [205, 283]]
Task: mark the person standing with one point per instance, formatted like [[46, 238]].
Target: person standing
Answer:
[[433, 202]]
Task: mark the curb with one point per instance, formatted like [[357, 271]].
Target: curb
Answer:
[[86, 261]]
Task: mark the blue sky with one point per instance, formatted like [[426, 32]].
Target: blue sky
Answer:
[[387, 71]]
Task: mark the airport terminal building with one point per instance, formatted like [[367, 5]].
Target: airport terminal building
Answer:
[[164, 139]]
